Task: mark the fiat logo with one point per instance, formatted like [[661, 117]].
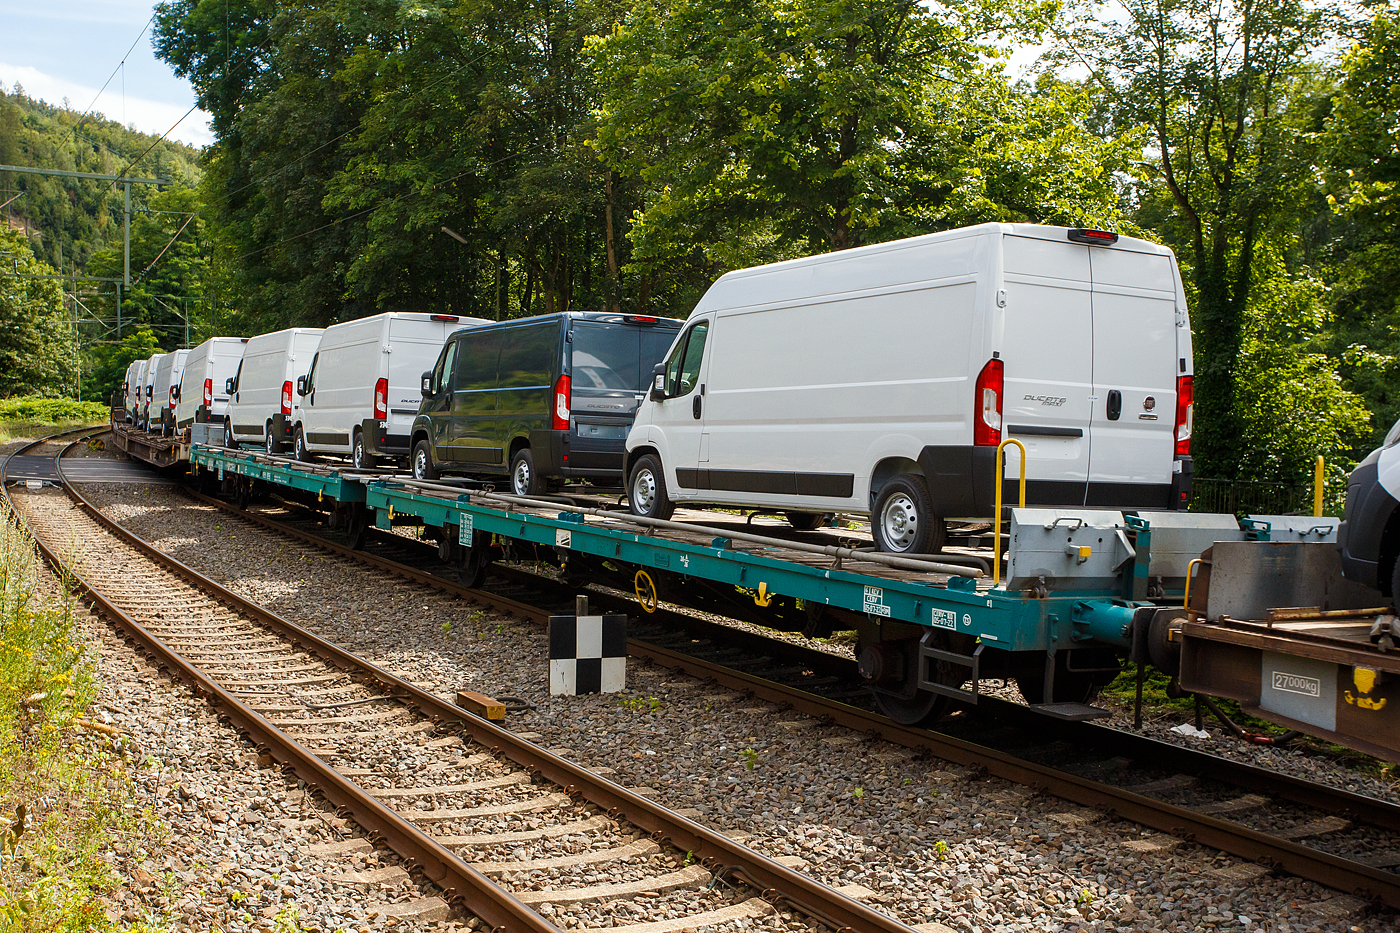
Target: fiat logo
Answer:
[[1149, 403]]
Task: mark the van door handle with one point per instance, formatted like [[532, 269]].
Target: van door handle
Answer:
[[695, 408], [1115, 404]]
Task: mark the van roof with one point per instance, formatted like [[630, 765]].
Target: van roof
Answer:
[[1037, 231], [604, 317]]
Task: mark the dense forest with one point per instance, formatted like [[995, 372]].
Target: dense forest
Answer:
[[531, 156]]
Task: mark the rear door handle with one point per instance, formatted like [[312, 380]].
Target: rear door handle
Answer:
[[1115, 404], [695, 408]]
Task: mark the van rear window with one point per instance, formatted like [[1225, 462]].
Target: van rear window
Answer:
[[607, 357]]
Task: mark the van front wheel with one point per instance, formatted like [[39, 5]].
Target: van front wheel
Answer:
[[299, 446], [904, 522], [423, 461], [646, 490]]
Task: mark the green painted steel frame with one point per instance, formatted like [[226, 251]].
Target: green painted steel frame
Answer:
[[1003, 620]]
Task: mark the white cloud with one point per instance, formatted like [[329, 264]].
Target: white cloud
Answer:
[[147, 116]]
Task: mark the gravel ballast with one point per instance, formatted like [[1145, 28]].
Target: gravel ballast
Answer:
[[928, 842]]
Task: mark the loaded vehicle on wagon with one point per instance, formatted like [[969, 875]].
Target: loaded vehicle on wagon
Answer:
[[148, 387], [261, 391], [541, 400], [167, 390], [361, 394], [203, 396], [881, 380], [131, 390]]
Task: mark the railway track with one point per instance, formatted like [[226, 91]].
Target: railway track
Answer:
[[1341, 839], [520, 837]]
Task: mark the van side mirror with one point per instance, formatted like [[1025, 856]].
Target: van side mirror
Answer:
[[658, 383], [228, 386], [301, 386], [427, 386]]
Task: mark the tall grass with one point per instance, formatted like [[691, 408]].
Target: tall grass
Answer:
[[65, 792], [34, 409]]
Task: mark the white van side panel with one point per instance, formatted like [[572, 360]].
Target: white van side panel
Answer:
[[216, 360], [269, 361], [809, 409]]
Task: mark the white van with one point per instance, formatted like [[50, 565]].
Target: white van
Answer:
[[362, 392], [260, 410], [202, 397], [167, 388], [134, 372], [880, 380], [148, 384]]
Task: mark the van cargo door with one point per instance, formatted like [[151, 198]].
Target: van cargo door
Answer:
[[1135, 369], [1047, 342], [606, 383]]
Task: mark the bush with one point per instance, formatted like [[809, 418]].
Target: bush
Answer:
[[34, 409]]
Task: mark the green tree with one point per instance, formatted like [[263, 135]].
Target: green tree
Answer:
[[38, 350], [1213, 84], [1361, 137], [106, 369]]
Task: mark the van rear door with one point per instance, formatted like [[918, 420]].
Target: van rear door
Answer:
[[610, 368], [1135, 370], [1048, 363]]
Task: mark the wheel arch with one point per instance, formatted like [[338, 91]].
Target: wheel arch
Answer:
[[886, 470], [636, 454]]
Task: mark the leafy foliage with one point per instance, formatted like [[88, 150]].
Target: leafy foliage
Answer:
[[36, 409], [38, 353]]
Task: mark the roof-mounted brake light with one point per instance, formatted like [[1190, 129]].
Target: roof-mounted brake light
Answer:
[[444, 317], [639, 319], [1093, 237]]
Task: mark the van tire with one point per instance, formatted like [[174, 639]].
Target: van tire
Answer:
[[422, 463], [299, 447], [525, 480], [359, 457], [903, 521], [809, 521], [651, 500], [269, 441], [229, 442]]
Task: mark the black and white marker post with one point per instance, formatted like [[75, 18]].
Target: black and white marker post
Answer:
[[587, 654]]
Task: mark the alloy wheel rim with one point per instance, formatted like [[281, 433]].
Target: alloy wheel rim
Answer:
[[899, 520]]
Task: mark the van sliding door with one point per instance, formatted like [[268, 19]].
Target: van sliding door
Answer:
[[1047, 352]]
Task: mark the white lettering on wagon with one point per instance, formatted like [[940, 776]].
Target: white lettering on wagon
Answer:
[[945, 618], [1297, 683], [464, 530], [875, 602]]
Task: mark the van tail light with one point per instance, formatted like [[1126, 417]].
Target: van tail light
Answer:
[[986, 416], [562, 393], [209, 391], [1185, 397], [381, 399], [287, 397], [172, 398]]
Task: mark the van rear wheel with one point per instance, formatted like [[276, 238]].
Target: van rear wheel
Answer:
[[525, 480], [423, 461], [904, 522], [809, 521], [646, 490], [359, 457]]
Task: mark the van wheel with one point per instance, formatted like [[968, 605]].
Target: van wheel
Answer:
[[299, 447], [646, 490], [359, 457], [525, 480], [904, 522], [809, 521], [423, 462], [269, 442], [228, 435]]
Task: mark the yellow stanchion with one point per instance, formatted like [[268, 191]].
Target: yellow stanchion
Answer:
[[1318, 482], [1186, 597], [1001, 470]]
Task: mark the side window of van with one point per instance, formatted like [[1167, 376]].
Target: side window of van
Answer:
[[442, 373], [477, 357], [311, 375], [237, 376], [683, 368], [527, 356]]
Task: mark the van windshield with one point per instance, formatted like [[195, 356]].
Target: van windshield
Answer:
[[607, 357]]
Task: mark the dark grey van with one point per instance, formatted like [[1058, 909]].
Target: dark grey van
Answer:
[[539, 399]]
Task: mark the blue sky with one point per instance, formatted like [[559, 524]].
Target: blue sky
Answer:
[[69, 48]]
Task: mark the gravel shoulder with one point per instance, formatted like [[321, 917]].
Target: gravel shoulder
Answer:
[[931, 843]]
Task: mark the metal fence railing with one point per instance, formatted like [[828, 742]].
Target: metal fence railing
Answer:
[[1243, 497]]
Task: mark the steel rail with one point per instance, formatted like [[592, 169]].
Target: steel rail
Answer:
[[714, 850], [1312, 864]]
